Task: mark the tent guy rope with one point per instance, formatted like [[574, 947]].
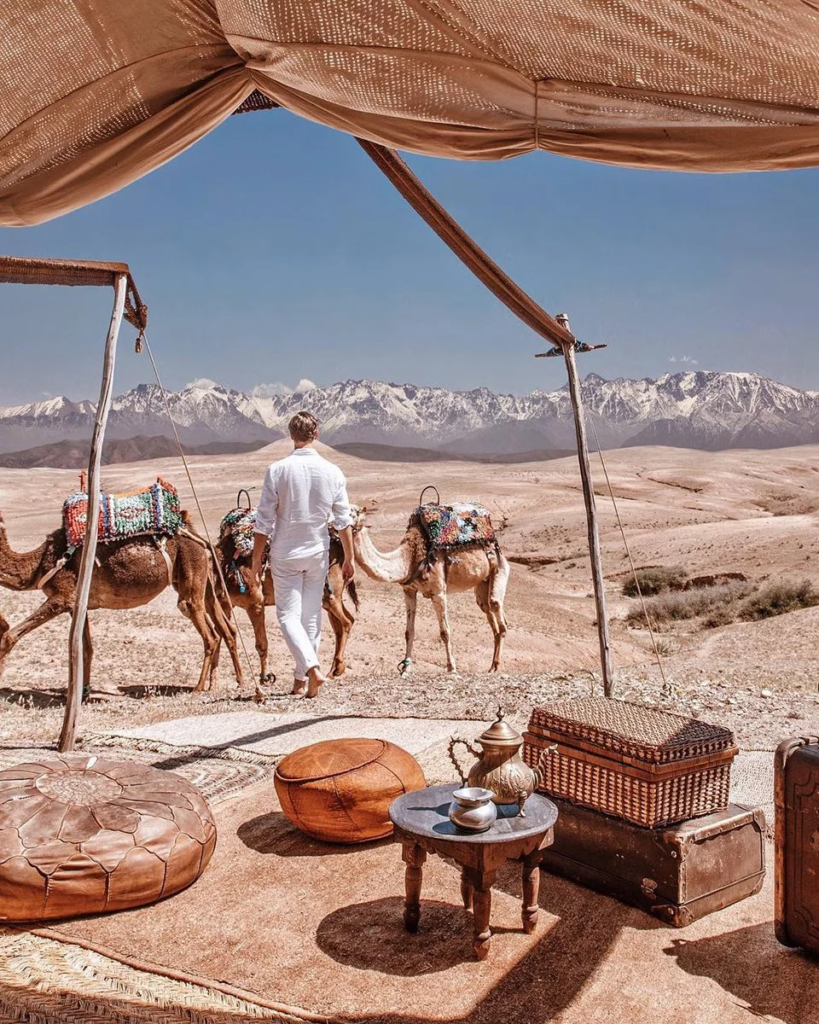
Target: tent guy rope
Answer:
[[259, 695]]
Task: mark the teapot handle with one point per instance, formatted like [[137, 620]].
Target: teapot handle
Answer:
[[453, 743], [542, 763]]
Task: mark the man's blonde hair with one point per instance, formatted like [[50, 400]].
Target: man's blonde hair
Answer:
[[303, 427]]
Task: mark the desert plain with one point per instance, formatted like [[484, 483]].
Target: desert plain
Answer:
[[749, 512]]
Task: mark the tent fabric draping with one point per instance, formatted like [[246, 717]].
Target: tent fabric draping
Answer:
[[96, 93]]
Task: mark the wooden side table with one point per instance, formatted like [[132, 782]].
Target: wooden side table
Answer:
[[422, 826]]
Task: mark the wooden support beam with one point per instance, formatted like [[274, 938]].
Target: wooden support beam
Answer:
[[591, 511], [76, 668]]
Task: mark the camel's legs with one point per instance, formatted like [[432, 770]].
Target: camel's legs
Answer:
[[497, 594], [411, 601], [48, 610], [196, 613], [482, 597], [255, 612], [439, 602], [220, 612], [340, 631]]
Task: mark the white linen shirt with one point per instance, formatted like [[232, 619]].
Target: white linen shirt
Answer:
[[299, 497]]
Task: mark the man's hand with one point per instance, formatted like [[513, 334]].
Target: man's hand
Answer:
[[348, 565], [256, 569]]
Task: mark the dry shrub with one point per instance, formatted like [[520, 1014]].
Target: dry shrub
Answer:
[[674, 606], [778, 597], [655, 579]]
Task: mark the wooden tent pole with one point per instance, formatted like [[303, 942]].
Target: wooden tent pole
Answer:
[[76, 668], [591, 511]]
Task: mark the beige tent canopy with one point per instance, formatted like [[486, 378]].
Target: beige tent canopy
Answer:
[[96, 93]]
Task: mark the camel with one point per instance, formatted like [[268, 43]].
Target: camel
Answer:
[[128, 573], [255, 598], [482, 569]]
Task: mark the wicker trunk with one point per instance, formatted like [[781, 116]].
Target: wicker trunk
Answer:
[[677, 874], [796, 786], [644, 766]]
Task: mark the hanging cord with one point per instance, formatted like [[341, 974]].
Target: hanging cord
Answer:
[[143, 341], [667, 690]]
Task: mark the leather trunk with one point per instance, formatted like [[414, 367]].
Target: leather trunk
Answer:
[[677, 873], [796, 864]]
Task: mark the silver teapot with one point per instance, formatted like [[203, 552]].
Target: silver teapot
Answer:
[[500, 766]]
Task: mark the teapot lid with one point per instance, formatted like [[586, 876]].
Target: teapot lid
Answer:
[[501, 733]]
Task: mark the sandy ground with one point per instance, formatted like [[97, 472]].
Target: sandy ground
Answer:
[[754, 512]]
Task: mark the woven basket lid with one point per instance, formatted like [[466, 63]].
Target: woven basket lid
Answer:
[[631, 729], [329, 758]]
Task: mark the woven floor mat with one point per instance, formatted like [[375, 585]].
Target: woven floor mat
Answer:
[[215, 774], [48, 982]]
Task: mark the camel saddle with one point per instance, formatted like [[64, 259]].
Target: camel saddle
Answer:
[[153, 512], [240, 525], [452, 526]]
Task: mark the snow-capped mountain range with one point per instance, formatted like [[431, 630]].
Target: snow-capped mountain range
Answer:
[[708, 410]]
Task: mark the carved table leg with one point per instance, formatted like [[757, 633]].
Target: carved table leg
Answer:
[[466, 889], [481, 884], [414, 857], [482, 908], [531, 884]]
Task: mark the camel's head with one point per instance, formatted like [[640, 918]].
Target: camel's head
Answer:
[[360, 514]]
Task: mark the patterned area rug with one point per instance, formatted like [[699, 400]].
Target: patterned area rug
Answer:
[[216, 774], [51, 982]]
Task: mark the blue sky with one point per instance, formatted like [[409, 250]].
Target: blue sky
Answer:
[[274, 250]]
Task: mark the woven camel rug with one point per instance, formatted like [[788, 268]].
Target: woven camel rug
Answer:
[[44, 981], [154, 511], [450, 526], [240, 525]]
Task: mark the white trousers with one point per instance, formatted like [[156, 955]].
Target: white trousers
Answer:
[[299, 586]]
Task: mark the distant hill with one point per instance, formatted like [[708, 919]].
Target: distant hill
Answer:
[[74, 454], [394, 453], [694, 409]]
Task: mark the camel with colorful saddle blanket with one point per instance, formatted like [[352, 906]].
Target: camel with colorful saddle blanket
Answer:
[[235, 547], [146, 544], [446, 549]]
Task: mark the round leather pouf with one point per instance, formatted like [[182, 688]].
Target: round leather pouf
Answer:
[[340, 790], [81, 835]]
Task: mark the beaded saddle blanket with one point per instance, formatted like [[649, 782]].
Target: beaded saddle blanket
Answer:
[[236, 542], [153, 512], [455, 525], [240, 524]]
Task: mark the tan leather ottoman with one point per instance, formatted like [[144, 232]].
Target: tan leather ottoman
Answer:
[[340, 791], [81, 835]]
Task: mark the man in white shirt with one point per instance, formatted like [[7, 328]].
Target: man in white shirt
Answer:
[[299, 496]]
